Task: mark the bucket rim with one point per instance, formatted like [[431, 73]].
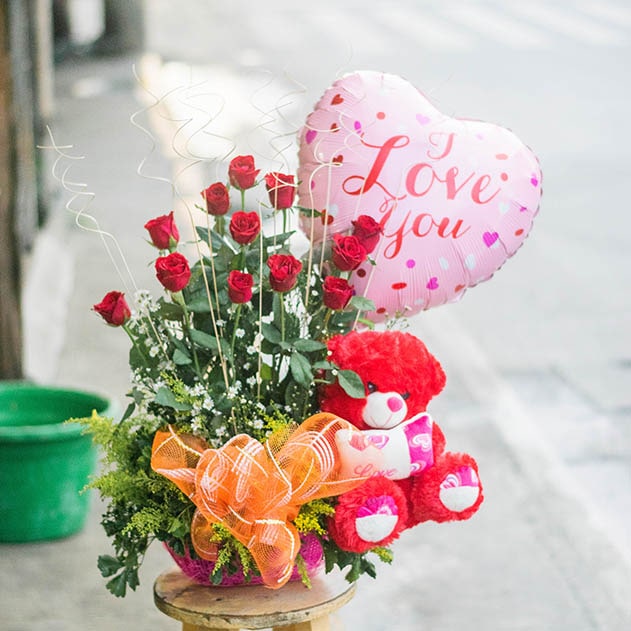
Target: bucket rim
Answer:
[[49, 431]]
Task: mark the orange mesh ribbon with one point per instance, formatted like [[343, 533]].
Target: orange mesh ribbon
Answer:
[[255, 490]]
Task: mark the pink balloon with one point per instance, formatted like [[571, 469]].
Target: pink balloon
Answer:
[[456, 198]]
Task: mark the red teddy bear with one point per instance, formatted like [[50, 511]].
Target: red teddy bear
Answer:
[[411, 478]]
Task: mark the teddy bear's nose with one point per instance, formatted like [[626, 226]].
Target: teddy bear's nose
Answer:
[[395, 404]]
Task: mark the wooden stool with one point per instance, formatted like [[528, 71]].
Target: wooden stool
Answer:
[[294, 607]]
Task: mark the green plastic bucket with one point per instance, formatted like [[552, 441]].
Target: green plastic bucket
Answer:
[[44, 463]]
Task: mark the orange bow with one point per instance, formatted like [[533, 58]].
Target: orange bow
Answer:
[[255, 490]]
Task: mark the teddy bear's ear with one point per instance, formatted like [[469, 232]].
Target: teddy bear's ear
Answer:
[[435, 374]]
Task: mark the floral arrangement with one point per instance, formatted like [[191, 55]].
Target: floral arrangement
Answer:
[[236, 346]]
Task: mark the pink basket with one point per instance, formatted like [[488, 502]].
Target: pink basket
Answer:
[[200, 570]]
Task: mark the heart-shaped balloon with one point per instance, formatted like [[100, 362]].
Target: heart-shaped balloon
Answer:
[[456, 198]]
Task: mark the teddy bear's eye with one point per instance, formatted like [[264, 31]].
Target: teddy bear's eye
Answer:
[[405, 396], [371, 387]]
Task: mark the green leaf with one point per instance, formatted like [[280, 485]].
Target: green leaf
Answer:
[[202, 233], [108, 565], [216, 577], [330, 558], [128, 412], [271, 333], [118, 585], [170, 311], [351, 384], [308, 346], [323, 365], [165, 397], [136, 358], [181, 358], [355, 570], [266, 372], [300, 369], [204, 339], [368, 567], [199, 304], [131, 577], [362, 304], [278, 239], [253, 259], [217, 241]]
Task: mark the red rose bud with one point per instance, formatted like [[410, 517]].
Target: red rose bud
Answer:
[[113, 308], [173, 271], [283, 271], [245, 227], [281, 190], [240, 286], [336, 292], [348, 253], [217, 199], [163, 232], [368, 231], [242, 173]]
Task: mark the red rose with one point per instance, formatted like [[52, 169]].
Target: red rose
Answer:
[[244, 227], [242, 173], [281, 190], [240, 286], [114, 308], [163, 232], [283, 271], [336, 292], [173, 271], [368, 231], [217, 199], [348, 253]]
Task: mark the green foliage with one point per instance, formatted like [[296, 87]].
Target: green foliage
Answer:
[[357, 563], [232, 556], [313, 517], [142, 504]]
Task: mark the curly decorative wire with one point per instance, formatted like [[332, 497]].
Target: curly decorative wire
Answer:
[[79, 193]]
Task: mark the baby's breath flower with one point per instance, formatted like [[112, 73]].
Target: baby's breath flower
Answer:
[[251, 380], [233, 391], [197, 424], [240, 333], [250, 350]]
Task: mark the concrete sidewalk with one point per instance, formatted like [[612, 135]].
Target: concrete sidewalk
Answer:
[[533, 558]]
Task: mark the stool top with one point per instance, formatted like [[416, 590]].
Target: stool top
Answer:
[[249, 606]]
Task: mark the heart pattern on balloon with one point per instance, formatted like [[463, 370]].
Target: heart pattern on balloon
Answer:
[[455, 198]]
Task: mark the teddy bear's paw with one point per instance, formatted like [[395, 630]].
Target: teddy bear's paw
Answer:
[[370, 515], [450, 490], [376, 518], [460, 489]]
